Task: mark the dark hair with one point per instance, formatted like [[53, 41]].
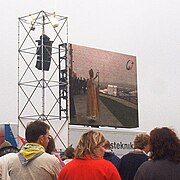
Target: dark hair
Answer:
[[164, 144], [107, 145], [36, 129], [51, 147], [69, 152]]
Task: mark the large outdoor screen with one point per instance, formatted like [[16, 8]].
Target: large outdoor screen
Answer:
[[103, 88]]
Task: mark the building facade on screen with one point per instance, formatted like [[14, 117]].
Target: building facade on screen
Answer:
[[103, 88]]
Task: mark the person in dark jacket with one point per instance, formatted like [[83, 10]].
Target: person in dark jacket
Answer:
[[130, 162], [109, 154]]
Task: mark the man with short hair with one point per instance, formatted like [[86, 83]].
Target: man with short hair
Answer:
[[32, 162], [130, 162]]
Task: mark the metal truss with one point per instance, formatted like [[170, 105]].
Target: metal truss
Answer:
[[42, 94]]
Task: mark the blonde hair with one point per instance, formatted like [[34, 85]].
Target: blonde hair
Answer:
[[88, 145]]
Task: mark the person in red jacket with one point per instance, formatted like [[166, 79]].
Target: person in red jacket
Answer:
[[88, 162]]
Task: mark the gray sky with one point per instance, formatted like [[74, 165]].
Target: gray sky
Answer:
[[149, 30]]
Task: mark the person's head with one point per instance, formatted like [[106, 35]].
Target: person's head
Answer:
[[142, 141], [38, 132], [69, 152], [51, 147], [164, 144], [91, 73], [91, 143], [6, 147], [107, 145]]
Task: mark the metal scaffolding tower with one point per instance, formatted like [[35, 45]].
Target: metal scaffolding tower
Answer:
[[43, 73]]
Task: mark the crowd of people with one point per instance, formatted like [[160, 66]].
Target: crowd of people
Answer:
[[154, 157]]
